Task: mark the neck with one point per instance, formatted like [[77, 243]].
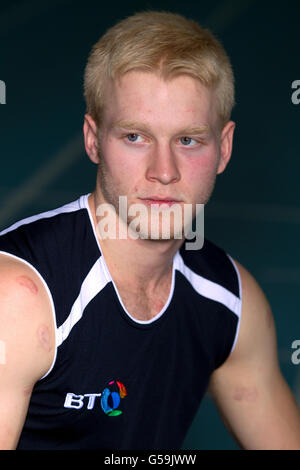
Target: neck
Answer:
[[140, 262]]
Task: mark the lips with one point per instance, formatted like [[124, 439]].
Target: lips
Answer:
[[160, 200]]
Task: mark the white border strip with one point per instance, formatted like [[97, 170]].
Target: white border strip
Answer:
[[94, 282], [239, 313], [70, 207], [209, 289], [159, 314]]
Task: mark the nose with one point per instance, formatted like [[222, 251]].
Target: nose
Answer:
[[162, 166]]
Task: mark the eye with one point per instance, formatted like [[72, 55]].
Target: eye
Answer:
[[133, 137], [187, 141]]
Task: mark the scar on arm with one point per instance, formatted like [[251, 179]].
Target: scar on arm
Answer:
[[44, 337], [245, 394], [28, 283]]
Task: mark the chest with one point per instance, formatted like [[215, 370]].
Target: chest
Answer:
[[122, 381], [145, 303], [142, 306]]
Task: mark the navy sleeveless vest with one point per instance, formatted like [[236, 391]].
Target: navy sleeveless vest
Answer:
[[116, 382]]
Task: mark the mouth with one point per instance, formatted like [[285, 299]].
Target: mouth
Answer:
[[159, 201]]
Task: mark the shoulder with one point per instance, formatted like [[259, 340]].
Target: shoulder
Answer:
[[249, 389], [51, 242], [255, 342], [26, 321], [254, 356], [19, 281], [257, 327]]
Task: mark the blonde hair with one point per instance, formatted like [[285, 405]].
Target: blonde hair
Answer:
[[161, 42]]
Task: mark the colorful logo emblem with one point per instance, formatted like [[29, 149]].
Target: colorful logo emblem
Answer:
[[111, 398]]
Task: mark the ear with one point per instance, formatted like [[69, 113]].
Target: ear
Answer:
[[226, 146], [90, 132]]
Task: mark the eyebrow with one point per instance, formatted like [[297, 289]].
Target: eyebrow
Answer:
[[142, 127], [129, 125]]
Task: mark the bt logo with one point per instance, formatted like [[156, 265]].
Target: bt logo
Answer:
[[110, 399]]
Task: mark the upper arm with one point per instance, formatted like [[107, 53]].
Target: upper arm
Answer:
[[26, 343], [249, 389]]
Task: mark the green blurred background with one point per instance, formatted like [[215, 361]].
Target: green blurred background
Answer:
[[255, 210]]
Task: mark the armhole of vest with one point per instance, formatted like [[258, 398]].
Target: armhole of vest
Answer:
[[239, 310], [50, 299]]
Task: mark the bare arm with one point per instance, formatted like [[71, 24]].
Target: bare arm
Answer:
[[27, 344], [249, 390]]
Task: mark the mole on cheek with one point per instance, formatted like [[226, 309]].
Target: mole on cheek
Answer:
[[44, 337], [27, 283]]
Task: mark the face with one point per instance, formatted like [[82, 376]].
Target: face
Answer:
[[160, 142]]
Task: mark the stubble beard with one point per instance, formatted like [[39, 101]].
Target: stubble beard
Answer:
[[111, 196]]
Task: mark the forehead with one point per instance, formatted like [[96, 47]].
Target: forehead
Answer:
[[145, 96]]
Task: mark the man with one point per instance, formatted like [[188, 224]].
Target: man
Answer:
[[110, 342]]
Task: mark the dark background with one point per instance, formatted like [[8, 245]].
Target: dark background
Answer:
[[255, 210]]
